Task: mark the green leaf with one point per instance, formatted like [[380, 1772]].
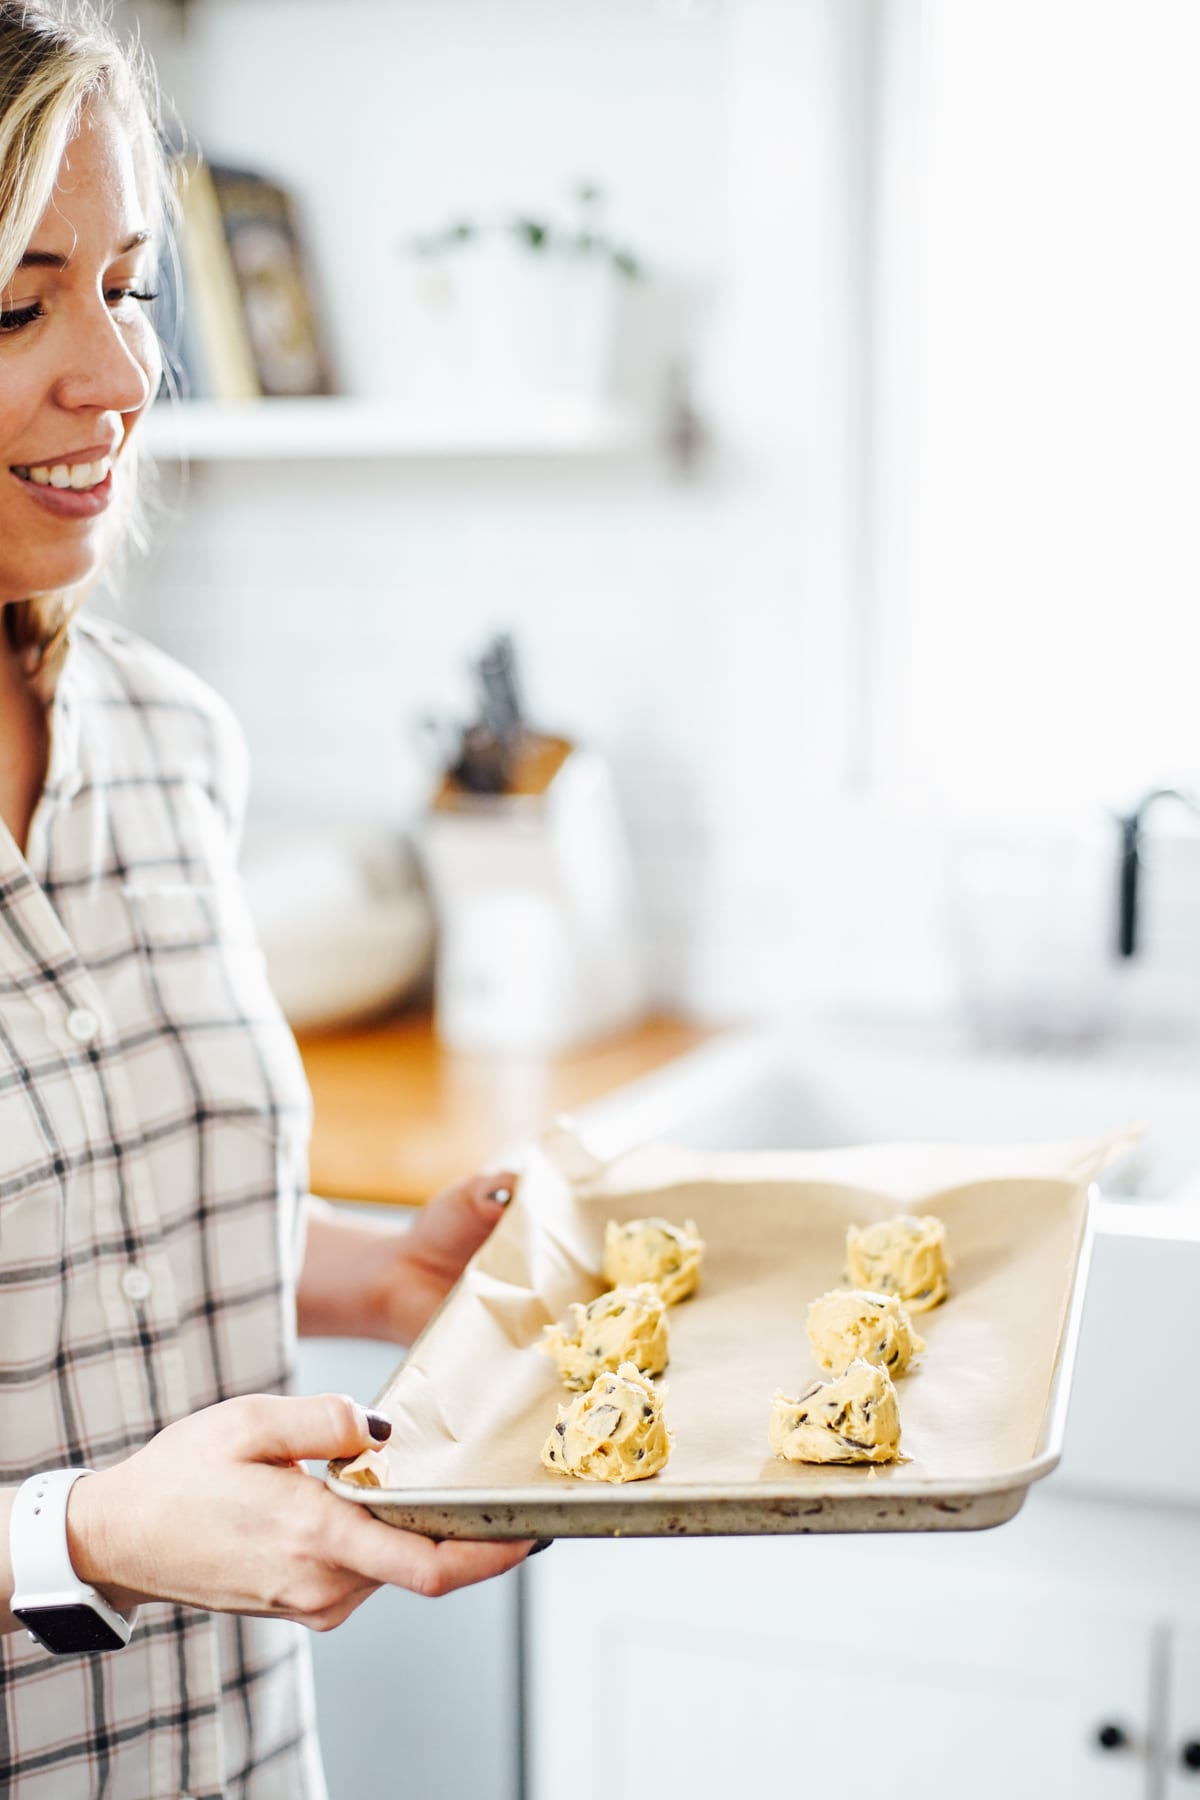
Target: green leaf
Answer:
[[532, 232]]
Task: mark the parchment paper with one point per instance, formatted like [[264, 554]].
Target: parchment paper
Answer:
[[474, 1401]]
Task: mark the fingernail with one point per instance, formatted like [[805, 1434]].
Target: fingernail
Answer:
[[501, 1195], [542, 1544], [379, 1427]]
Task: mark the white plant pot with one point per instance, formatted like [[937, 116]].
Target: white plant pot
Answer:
[[510, 324]]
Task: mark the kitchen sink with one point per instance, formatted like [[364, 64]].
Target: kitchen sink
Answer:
[[770, 1092]]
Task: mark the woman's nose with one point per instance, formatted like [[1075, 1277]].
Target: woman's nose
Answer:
[[111, 368]]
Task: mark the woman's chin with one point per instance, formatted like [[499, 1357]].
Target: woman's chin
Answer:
[[52, 574]]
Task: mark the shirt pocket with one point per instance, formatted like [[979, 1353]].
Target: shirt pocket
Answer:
[[44, 1152], [33, 1180], [206, 997]]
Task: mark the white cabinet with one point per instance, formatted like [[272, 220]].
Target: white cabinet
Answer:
[[414, 1697], [1181, 1723], [991, 1665]]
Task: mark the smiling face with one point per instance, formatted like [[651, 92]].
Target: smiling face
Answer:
[[79, 362]]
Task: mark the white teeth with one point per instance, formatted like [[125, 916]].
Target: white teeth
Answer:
[[78, 476]]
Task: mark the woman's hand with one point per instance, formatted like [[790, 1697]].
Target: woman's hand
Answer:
[[368, 1279], [216, 1513], [439, 1244]]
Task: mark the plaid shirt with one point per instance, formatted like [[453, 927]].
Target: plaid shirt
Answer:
[[153, 1134]]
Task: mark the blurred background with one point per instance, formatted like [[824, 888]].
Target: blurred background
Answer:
[[851, 527], [692, 502]]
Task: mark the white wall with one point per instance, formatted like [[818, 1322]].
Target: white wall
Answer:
[[740, 645], [673, 624]]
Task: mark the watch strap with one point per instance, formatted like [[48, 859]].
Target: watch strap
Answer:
[[43, 1576]]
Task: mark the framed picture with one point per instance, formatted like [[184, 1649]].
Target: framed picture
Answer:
[[276, 295]]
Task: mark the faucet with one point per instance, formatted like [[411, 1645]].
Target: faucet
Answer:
[[1130, 825]]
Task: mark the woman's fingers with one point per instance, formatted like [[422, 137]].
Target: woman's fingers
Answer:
[[393, 1558], [287, 1429], [496, 1189], [213, 1512], [450, 1228], [488, 1190]]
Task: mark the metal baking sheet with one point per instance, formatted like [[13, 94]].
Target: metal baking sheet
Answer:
[[982, 1415]]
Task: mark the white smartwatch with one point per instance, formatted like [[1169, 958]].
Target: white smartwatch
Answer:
[[59, 1611]]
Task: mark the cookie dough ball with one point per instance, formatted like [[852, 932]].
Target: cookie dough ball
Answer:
[[902, 1256], [627, 1325], [654, 1250], [854, 1419], [851, 1325], [614, 1432]]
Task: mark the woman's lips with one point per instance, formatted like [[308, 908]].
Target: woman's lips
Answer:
[[69, 503]]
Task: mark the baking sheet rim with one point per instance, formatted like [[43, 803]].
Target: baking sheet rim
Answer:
[[449, 1504]]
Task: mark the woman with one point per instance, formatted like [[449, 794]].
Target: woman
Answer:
[[156, 1241]]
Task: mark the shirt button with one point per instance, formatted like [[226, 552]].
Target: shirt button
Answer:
[[135, 1283], [82, 1024]]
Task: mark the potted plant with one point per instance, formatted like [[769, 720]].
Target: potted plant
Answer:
[[524, 306]]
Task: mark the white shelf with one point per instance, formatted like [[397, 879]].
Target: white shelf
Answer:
[[344, 429]]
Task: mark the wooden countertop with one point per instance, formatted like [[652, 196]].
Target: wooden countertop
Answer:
[[397, 1116]]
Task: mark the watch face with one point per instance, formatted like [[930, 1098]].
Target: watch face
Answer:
[[67, 1628]]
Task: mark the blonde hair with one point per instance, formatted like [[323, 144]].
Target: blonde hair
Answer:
[[55, 57]]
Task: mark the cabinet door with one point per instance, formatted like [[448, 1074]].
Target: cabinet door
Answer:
[[396, 1682], [1181, 1735], [691, 1669]]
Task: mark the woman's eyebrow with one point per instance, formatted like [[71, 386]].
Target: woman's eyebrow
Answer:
[[50, 259]]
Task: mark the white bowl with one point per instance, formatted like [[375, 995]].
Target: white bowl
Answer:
[[343, 921]]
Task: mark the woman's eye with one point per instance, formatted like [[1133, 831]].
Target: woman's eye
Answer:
[[13, 318], [115, 296]]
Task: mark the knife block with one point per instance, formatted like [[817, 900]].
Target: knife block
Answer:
[[540, 945]]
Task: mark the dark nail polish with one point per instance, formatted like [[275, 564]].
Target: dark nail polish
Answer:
[[542, 1544], [501, 1195], [379, 1427]]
